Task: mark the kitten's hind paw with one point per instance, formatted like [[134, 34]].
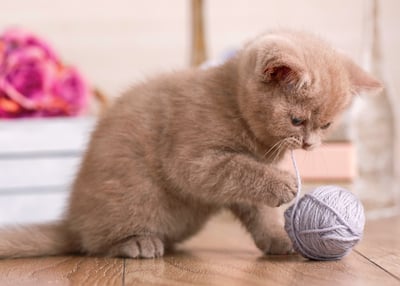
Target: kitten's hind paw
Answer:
[[279, 247], [139, 247], [275, 245]]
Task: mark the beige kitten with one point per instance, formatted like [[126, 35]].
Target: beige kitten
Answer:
[[174, 150]]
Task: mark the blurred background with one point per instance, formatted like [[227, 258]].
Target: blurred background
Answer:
[[115, 44]]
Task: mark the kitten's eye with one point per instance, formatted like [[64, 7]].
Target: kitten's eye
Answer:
[[297, 121], [326, 126]]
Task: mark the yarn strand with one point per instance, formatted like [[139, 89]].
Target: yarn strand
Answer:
[[298, 178], [302, 247]]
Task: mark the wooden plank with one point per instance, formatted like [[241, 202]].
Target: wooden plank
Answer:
[[381, 244], [222, 254], [232, 267], [61, 271]]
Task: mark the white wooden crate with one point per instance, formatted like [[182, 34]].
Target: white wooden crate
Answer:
[[38, 161]]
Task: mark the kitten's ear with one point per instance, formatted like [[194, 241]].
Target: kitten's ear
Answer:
[[280, 72], [360, 80], [285, 71]]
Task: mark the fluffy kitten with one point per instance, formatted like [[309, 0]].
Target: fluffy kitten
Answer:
[[174, 150]]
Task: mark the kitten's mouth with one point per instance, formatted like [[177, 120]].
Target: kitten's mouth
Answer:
[[308, 147], [298, 143]]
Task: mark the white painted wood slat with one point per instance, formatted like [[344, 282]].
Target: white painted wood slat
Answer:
[[37, 172], [31, 208], [44, 135]]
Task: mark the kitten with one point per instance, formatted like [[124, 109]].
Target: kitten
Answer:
[[173, 151]]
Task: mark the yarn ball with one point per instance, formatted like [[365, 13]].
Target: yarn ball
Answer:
[[326, 223]]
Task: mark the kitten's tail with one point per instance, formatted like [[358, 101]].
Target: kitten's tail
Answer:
[[36, 240]]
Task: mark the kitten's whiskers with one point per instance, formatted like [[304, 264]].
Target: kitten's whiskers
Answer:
[[280, 148], [272, 148]]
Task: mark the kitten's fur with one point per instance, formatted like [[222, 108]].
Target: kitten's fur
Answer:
[[176, 149]]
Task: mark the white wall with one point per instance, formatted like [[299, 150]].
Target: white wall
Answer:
[[114, 42]]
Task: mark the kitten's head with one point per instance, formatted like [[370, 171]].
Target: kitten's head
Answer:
[[293, 86]]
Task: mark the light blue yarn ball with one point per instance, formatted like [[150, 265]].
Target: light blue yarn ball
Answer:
[[326, 223]]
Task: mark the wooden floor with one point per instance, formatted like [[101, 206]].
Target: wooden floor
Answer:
[[222, 254]]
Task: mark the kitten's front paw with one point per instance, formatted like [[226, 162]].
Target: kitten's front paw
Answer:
[[283, 189], [278, 244]]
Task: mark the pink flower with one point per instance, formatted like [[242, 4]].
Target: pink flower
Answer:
[[17, 39], [34, 82], [66, 89]]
